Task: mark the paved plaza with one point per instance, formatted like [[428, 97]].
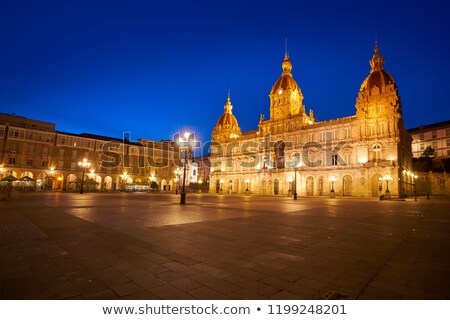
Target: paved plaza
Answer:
[[57, 245]]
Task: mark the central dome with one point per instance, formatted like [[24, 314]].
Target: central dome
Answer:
[[286, 81], [379, 78]]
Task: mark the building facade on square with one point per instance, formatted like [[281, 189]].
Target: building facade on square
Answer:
[[49, 158], [359, 155], [435, 135]]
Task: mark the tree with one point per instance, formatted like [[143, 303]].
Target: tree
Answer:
[[154, 186], [428, 152]]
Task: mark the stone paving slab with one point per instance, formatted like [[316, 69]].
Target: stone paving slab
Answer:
[[147, 246]]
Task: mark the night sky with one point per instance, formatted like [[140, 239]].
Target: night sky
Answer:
[[154, 68]]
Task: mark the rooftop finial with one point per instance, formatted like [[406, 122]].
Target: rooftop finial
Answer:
[[286, 51], [377, 60]]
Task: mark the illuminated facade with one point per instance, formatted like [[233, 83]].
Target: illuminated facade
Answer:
[[292, 152], [34, 149], [436, 135]]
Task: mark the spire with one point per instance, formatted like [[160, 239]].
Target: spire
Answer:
[[286, 65], [228, 106], [377, 60], [286, 51]]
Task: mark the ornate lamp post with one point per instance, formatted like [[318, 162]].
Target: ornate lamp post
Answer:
[[387, 178], [295, 179], [289, 179], [52, 172], [221, 183], [84, 165], [185, 144], [124, 177], [415, 190], [177, 172], [332, 179]]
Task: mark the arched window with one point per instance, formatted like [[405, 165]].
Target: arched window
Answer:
[[279, 154], [376, 153]]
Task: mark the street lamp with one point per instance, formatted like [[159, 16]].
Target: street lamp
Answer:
[[295, 179], [184, 144], [52, 172], [332, 179], [247, 181], [177, 172], [83, 164], [415, 189], [387, 178], [200, 181], [289, 179]]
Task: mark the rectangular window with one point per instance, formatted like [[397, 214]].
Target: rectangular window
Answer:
[[434, 134], [12, 160], [29, 163], [44, 163], [372, 129], [346, 133], [382, 128], [73, 166], [347, 158], [448, 143], [310, 137], [422, 147], [61, 153], [434, 145], [421, 137], [13, 146], [447, 132], [334, 160]]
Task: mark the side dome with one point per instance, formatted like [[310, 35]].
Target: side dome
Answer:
[[227, 119], [227, 126]]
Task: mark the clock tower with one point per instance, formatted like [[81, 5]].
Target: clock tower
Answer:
[[286, 98]]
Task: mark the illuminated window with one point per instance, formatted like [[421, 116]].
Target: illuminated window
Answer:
[[334, 160], [376, 152], [347, 133]]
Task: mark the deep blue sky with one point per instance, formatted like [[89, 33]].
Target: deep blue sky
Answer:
[[156, 67]]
